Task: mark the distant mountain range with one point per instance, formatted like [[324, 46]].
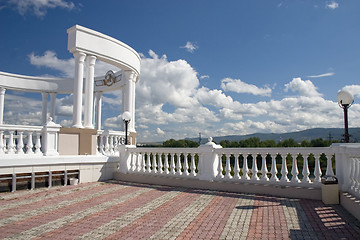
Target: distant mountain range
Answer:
[[324, 133]]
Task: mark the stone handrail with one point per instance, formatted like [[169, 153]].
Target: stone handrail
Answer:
[[109, 141], [299, 167], [20, 139]]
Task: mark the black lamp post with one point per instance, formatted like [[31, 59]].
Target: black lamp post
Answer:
[[345, 100], [126, 117]]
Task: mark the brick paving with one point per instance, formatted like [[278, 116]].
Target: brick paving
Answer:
[[120, 210]]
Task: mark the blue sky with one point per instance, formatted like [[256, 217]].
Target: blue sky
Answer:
[[215, 67]]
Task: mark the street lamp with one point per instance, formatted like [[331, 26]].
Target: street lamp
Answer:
[[126, 117], [345, 100]]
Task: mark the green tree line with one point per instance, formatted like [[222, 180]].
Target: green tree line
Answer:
[[255, 142]]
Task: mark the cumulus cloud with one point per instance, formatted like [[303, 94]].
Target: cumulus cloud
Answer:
[[332, 5], [190, 46], [302, 87], [238, 86], [66, 67], [322, 75], [39, 7], [50, 60], [160, 132], [169, 98], [22, 110], [353, 89]]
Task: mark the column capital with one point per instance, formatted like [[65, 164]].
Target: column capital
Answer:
[[131, 75], [90, 60], [2, 90], [80, 56]]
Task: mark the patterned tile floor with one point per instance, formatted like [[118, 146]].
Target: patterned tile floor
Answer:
[[119, 210]]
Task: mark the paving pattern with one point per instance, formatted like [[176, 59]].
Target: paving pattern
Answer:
[[120, 210]]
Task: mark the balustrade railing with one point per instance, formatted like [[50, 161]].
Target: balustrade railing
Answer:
[[164, 161], [281, 166], [252, 164], [109, 141], [18, 139]]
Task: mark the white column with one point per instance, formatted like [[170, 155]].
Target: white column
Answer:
[[2, 103], [44, 107], [89, 92], [78, 88], [98, 109], [129, 97], [52, 106]]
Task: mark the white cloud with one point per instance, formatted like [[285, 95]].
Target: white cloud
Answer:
[[332, 5], [238, 86], [204, 76], [66, 67], [160, 132], [39, 7], [303, 87], [190, 47], [169, 98], [353, 89], [50, 60], [322, 75]]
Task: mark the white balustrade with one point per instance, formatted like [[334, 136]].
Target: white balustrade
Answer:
[[109, 141], [163, 161], [185, 163], [18, 139]]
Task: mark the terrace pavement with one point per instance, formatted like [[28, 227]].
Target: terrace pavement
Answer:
[[122, 210]]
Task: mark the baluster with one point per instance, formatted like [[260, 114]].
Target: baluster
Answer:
[[20, 144], [166, 163], [245, 168], [172, 163], [160, 165], [116, 145], [264, 170], [220, 167], [186, 164], [132, 162], [236, 167], [2, 150], [329, 168], [97, 144], [107, 146], [148, 164], [317, 172], [357, 175], [306, 171], [138, 162], [29, 144], [111, 145], [294, 170], [227, 167], [142, 162], [178, 164], [193, 166], [154, 164], [101, 145], [254, 169], [352, 176], [38, 143], [273, 170], [10, 144], [284, 170]]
